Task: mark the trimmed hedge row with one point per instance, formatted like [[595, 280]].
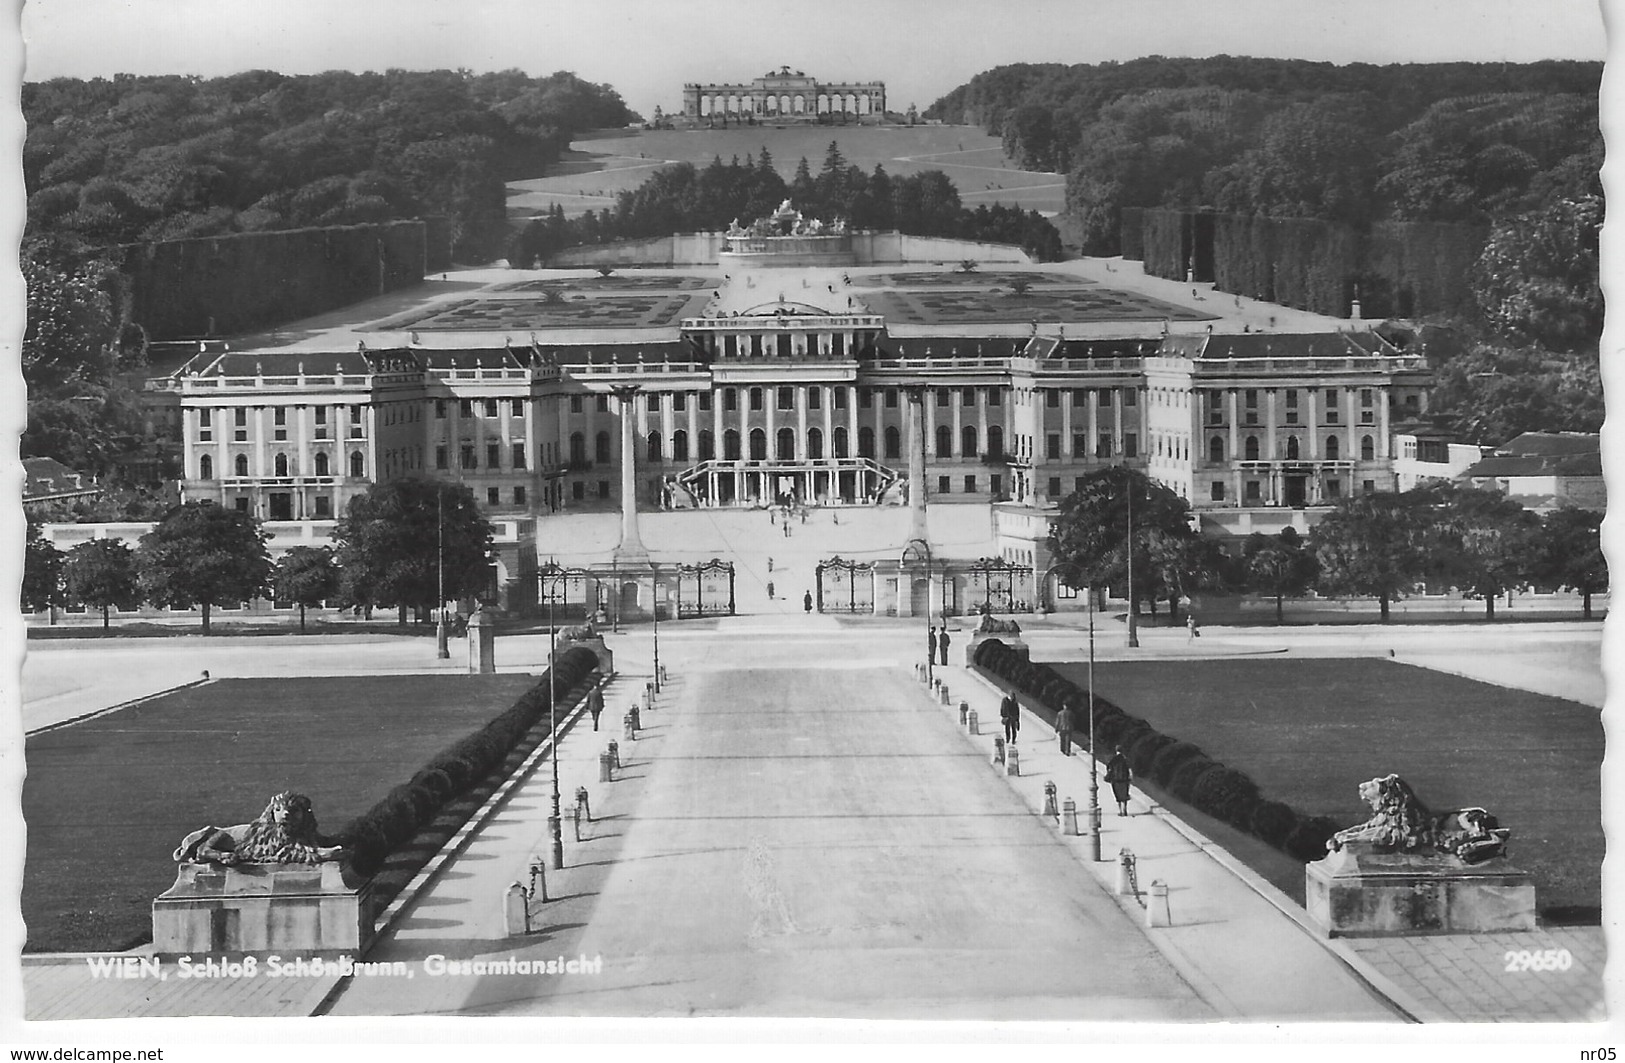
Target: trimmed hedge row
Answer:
[[1181, 768], [395, 820]]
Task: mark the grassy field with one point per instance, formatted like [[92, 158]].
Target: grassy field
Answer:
[[596, 169], [1310, 731], [107, 800]]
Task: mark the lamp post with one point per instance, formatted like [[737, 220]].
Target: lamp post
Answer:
[[1094, 760], [1133, 632], [654, 607], [442, 650], [913, 550], [555, 822]]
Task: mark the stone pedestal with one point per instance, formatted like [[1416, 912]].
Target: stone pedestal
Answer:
[[259, 907], [1357, 892], [1013, 641], [482, 644]]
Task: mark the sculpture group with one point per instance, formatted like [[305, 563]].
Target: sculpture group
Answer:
[[1401, 823], [285, 833]]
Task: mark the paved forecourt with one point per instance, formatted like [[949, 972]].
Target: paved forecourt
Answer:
[[798, 832]]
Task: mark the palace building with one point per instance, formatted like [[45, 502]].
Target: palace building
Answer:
[[786, 94]]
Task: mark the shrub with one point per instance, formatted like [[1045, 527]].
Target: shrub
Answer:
[[1227, 794], [1144, 748], [1182, 784], [1307, 842], [1168, 759], [437, 782], [1272, 822], [1118, 729]]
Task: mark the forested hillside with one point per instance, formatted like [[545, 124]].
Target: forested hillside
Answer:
[[1513, 150]]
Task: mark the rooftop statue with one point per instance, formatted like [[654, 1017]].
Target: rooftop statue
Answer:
[[1401, 823], [285, 833]]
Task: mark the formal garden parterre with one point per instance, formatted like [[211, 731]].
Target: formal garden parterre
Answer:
[[1270, 754]]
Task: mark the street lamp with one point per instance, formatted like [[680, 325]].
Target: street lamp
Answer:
[[1094, 781], [912, 551], [1133, 631], [555, 822], [654, 606], [442, 650]]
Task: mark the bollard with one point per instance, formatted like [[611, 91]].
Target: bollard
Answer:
[[973, 723], [1156, 911], [1012, 760], [663, 677], [1069, 817], [583, 802], [606, 767], [1050, 809], [515, 911], [577, 817], [1125, 873], [648, 697], [943, 695], [615, 754], [998, 749], [629, 730]]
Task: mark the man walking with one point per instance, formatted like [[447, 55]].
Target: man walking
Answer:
[[806, 601], [942, 641], [595, 705], [930, 644], [1063, 729], [1010, 716]]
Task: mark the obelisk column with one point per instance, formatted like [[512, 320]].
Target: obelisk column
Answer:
[[916, 463], [631, 546]]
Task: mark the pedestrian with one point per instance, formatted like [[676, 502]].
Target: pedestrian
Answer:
[[1010, 716], [1190, 627], [770, 563], [1063, 730], [942, 642], [595, 705], [806, 601], [930, 644], [1118, 774], [770, 589]]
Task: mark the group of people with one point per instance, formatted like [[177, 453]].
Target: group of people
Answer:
[[936, 641], [1118, 772]]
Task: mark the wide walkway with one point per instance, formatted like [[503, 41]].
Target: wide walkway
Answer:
[[790, 838]]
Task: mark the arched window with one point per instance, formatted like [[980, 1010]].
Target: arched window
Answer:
[[578, 447], [840, 443], [1252, 448], [242, 465], [945, 441], [758, 445], [786, 444], [358, 464], [815, 443], [600, 447], [1291, 448], [1215, 449], [995, 441], [967, 441], [321, 463], [281, 465], [1331, 448], [894, 442], [866, 442], [1368, 448], [205, 468], [679, 445], [730, 445], [708, 445]]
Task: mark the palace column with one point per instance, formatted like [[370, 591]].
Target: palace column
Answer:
[[916, 467], [630, 548]]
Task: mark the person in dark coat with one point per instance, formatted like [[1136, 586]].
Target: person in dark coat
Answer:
[[595, 705], [1118, 774], [942, 642], [806, 601], [1010, 716], [930, 644], [1063, 730]]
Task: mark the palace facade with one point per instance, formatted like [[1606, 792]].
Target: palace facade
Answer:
[[786, 94]]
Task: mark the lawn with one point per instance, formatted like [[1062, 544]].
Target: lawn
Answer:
[[107, 800], [1310, 731]]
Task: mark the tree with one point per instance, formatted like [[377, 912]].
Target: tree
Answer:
[[1487, 541], [203, 554], [1376, 544], [1091, 532], [1537, 279], [390, 544], [1182, 563], [42, 572], [306, 576], [1279, 565], [102, 573], [1571, 553]]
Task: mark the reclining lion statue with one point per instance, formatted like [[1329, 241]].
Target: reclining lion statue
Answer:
[[1401, 823], [285, 833]]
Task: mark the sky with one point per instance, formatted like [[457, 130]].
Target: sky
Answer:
[[648, 48]]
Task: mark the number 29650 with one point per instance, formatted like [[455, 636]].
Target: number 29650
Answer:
[[1538, 960]]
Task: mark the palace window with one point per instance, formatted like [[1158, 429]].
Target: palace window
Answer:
[[1103, 397], [894, 442], [578, 447], [705, 401], [839, 442], [839, 395], [1250, 449], [441, 459], [1080, 397], [654, 447], [1334, 489], [1131, 444], [787, 398], [758, 445], [1052, 444], [945, 441], [490, 407], [995, 397], [866, 442], [575, 403], [755, 398], [205, 468], [1103, 445], [493, 455], [679, 445], [679, 401], [653, 399], [970, 485], [1368, 448], [1215, 449], [1131, 397], [603, 403], [1052, 398], [358, 464], [815, 443], [493, 496], [242, 465], [786, 444], [518, 407], [1331, 448], [708, 445], [518, 496], [967, 441], [465, 407], [467, 455], [730, 445], [866, 398], [1080, 444], [519, 455], [1291, 448], [1054, 487], [995, 485], [815, 398], [891, 398], [1253, 494]]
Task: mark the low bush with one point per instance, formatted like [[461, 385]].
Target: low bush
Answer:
[[1144, 748], [1272, 822], [1168, 759], [1182, 784], [1226, 794], [1307, 842]]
